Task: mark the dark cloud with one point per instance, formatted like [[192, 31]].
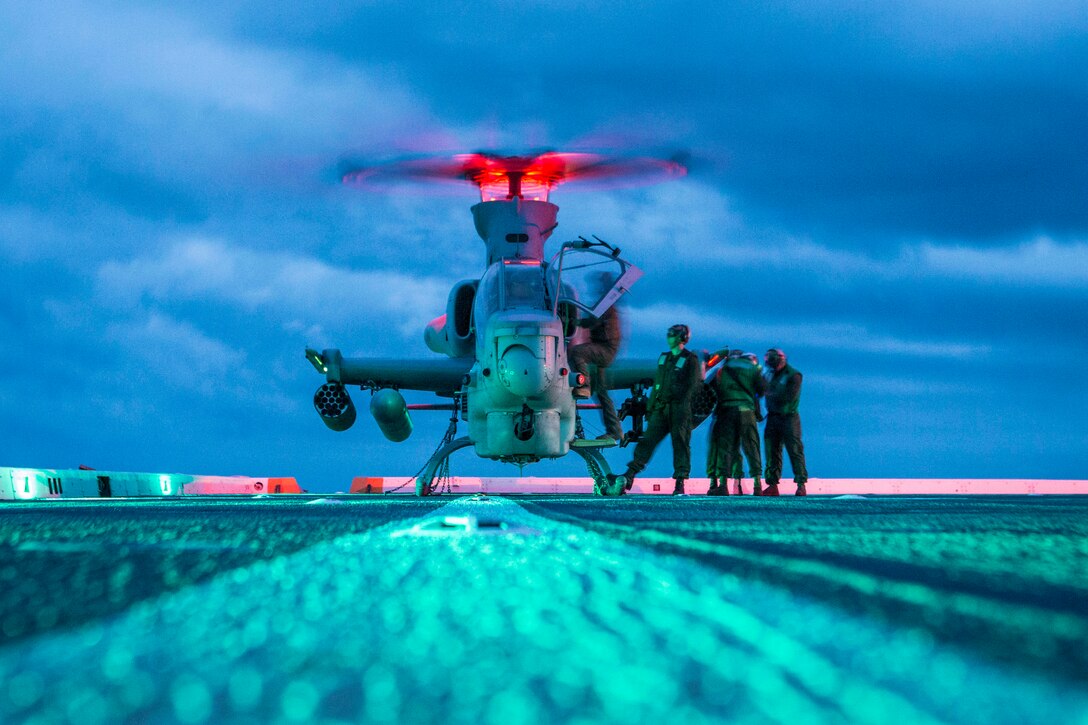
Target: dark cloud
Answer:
[[893, 193], [851, 121]]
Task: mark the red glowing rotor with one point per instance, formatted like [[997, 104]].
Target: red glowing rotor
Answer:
[[522, 177]]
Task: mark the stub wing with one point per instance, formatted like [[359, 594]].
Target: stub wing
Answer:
[[443, 376], [623, 374]]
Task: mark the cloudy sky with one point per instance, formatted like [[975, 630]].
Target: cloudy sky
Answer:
[[892, 192]]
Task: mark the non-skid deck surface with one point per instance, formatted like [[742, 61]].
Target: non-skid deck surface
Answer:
[[637, 609]]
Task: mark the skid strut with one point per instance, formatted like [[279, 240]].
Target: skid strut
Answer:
[[599, 470], [425, 481]]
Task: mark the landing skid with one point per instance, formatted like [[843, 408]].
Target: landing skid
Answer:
[[595, 462], [599, 470], [425, 481]]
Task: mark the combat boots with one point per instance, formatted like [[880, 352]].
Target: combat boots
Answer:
[[771, 489], [678, 489], [801, 490], [617, 486], [718, 489], [756, 490]]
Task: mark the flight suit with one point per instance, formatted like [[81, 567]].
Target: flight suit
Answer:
[[739, 383], [600, 351], [783, 425], [668, 412]]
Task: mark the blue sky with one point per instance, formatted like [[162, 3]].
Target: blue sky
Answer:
[[891, 192]]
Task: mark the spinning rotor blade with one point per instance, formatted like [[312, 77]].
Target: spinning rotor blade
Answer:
[[414, 169], [631, 169], [542, 171]]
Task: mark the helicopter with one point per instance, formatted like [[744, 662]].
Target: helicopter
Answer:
[[504, 337]]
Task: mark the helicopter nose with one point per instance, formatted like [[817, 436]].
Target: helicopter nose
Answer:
[[522, 372]]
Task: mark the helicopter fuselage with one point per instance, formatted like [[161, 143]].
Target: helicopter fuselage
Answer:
[[519, 395], [505, 337]]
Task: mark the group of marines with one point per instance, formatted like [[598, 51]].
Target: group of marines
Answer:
[[739, 383]]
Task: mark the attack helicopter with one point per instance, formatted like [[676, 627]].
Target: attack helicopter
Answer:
[[504, 336]]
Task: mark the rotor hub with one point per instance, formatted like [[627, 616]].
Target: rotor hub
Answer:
[[528, 178]]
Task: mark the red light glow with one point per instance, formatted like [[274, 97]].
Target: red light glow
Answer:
[[531, 178], [521, 177]]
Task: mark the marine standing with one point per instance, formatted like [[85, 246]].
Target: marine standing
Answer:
[[604, 342], [668, 411], [739, 384], [783, 422]]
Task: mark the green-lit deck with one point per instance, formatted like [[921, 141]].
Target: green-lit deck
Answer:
[[639, 609]]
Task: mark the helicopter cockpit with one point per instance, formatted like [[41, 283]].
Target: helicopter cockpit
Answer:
[[514, 284], [579, 281]]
